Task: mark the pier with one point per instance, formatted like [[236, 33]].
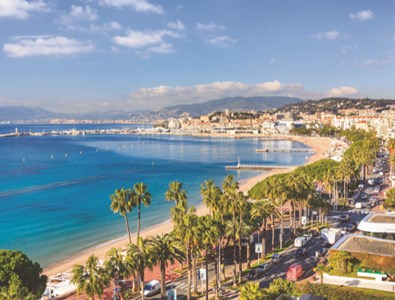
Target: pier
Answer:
[[256, 167], [287, 150]]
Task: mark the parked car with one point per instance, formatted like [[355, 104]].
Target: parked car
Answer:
[[308, 237], [294, 272], [344, 218], [151, 288], [265, 267], [276, 258], [301, 252], [255, 274]]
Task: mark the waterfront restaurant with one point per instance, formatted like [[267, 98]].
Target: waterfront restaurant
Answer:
[[379, 225]]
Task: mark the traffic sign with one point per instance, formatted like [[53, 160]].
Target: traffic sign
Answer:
[[258, 247], [202, 274]]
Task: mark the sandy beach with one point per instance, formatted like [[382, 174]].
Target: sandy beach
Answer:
[[320, 145]]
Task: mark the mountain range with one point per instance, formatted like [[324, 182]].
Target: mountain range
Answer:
[[20, 114]]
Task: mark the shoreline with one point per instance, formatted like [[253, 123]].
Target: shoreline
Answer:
[[321, 146]]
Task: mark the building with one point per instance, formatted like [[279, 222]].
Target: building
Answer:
[[378, 225]]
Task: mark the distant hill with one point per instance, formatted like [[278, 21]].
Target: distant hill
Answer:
[[334, 105], [20, 114], [232, 103], [16, 114]]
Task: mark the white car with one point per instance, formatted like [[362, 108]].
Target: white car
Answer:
[[151, 288]]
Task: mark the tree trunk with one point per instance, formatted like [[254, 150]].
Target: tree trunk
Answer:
[[290, 215], [273, 233], [127, 228], [163, 280], [234, 263], [205, 248], [138, 222], [240, 261], [222, 261], [189, 272], [282, 230], [264, 238], [248, 252], [217, 279], [300, 214], [294, 215], [194, 274], [142, 289]]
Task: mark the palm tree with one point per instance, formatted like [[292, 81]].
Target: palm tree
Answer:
[[230, 194], [139, 196], [116, 266], [251, 291], [263, 209], [140, 257], [120, 203], [211, 195], [209, 235], [164, 249], [320, 269], [176, 193], [90, 279]]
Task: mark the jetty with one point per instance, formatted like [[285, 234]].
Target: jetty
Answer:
[[286, 150], [256, 167]]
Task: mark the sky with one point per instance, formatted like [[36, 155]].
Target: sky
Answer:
[[89, 55]]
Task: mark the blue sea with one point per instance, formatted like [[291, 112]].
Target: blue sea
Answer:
[[54, 190]]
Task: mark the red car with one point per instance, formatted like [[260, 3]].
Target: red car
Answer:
[[294, 272]]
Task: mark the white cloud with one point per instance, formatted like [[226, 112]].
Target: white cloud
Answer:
[[21, 9], [78, 14], [137, 5], [209, 27], [177, 25], [326, 36], [363, 15], [160, 96], [149, 41], [272, 61], [109, 26], [221, 41], [46, 46], [343, 91]]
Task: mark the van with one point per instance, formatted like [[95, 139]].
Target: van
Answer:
[[300, 241], [151, 288]]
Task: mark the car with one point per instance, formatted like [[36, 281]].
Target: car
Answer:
[[151, 288], [294, 272], [308, 237], [265, 267], [255, 274], [301, 252], [276, 258], [344, 218]]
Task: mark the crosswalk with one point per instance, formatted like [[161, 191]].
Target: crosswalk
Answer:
[[179, 285]]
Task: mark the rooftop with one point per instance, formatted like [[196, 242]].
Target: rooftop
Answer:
[[366, 244], [382, 219]]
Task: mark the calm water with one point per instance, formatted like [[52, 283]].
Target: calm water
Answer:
[[54, 191]]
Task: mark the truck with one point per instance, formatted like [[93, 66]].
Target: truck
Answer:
[[300, 241], [331, 235]]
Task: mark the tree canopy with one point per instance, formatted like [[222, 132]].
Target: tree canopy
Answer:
[[20, 278]]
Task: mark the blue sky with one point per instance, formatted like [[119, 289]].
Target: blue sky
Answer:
[[85, 55]]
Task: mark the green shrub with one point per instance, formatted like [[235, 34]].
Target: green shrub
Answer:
[[334, 292]]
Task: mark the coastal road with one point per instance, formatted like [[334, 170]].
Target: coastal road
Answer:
[[308, 263]]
